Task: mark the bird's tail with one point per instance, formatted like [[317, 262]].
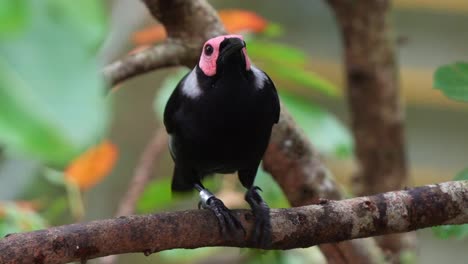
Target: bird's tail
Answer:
[[182, 180]]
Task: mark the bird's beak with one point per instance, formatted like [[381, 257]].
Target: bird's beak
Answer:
[[234, 45]]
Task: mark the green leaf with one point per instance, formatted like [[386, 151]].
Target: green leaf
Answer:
[[273, 30], [52, 103], [54, 212], [451, 231], [15, 219], [271, 191], [13, 16], [327, 133], [87, 20], [157, 195], [188, 255], [282, 62], [452, 80], [258, 256], [462, 175], [276, 52], [166, 89], [299, 76]]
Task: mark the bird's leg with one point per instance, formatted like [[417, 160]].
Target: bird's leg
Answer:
[[227, 221], [262, 231]]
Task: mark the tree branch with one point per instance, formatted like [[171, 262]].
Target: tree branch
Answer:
[[163, 55], [331, 221]]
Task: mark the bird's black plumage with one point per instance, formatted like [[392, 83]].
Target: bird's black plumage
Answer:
[[221, 123]]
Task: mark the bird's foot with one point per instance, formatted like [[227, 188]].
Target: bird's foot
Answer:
[[262, 230], [228, 223]]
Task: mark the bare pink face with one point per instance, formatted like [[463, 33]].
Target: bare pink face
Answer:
[[210, 54]]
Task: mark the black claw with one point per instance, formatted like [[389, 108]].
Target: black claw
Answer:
[[257, 188], [228, 223], [262, 232]]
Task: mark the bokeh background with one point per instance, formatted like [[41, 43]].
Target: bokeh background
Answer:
[[429, 33]]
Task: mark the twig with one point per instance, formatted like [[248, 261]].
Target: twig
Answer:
[[333, 221], [143, 172], [160, 56]]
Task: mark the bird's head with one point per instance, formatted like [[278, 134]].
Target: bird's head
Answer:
[[221, 51]]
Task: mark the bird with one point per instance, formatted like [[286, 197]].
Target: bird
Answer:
[[219, 119]]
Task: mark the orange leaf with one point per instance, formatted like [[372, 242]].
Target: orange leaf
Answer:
[[234, 20], [92, 166], [152, 34], [237, 20]]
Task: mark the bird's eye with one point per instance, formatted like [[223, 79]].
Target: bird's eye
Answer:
[[208, 50]]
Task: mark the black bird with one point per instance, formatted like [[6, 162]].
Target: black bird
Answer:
[[219, 119]]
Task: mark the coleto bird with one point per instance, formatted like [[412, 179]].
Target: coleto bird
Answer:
[[219, 119]]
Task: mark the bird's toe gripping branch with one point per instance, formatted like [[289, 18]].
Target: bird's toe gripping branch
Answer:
[[228, 223], [262, 231]]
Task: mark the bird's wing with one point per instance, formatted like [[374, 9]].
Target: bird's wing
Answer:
[[269, 92], [172, 106], [271, 89]]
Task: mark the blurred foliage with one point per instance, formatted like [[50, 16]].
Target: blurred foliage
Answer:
[[287, 64], [462, 176], [327, 133], [15, 219], [51, 93], [158, 195], [13, 16], [271, 191], [52, 102], [452, 79], [189, 255], [92, 166]]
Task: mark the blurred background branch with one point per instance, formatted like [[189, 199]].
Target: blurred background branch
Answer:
[[142, 175], [377, 116]]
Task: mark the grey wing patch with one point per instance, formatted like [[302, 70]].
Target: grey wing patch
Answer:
[[260, 77], [171, 147]]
